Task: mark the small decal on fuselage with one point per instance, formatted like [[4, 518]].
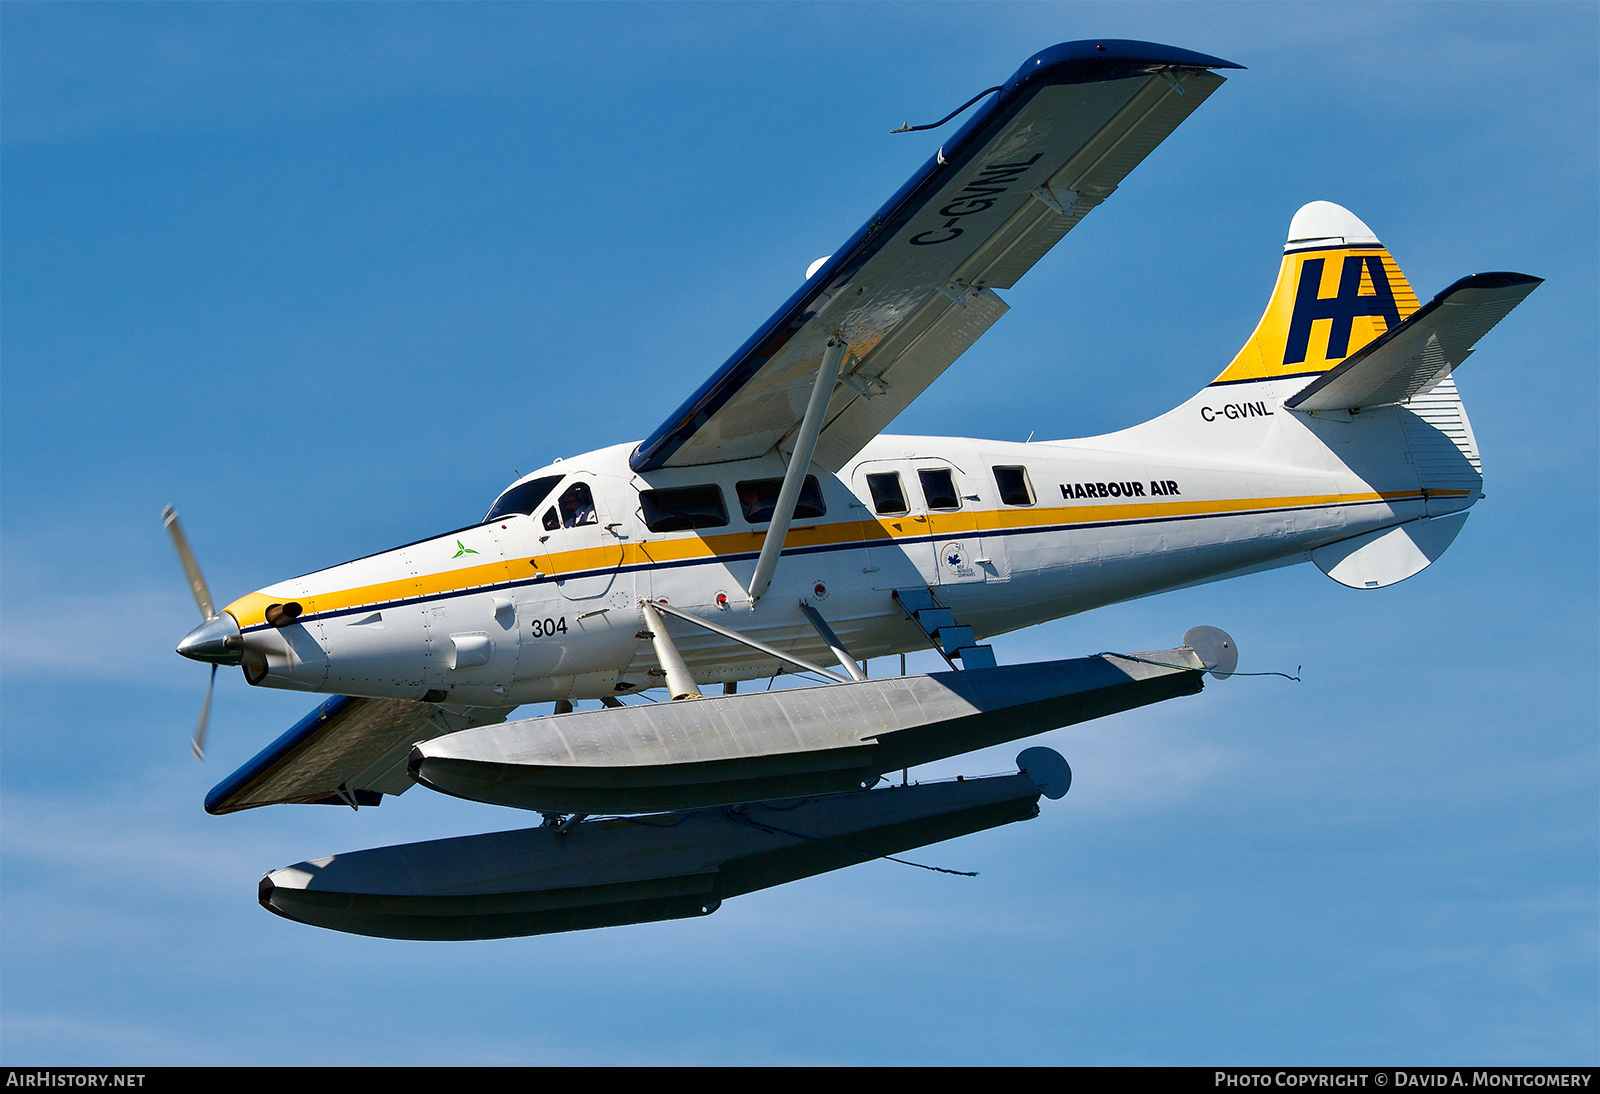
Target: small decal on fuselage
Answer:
[[547, 627], [954, 557]]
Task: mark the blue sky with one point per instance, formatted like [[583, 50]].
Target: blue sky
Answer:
[[327, 276]]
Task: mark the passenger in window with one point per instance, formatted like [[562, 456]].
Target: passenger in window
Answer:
[[577, 506], [759, 499], [757, 510]]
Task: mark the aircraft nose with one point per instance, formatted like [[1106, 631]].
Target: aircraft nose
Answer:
[[216, 641]]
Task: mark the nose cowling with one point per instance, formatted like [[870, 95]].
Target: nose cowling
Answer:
[[216, 641]]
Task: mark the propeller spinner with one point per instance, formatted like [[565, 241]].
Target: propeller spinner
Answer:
[[216, 640]]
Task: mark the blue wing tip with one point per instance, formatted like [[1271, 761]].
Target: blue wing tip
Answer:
[[1107, 58], [222, 797]]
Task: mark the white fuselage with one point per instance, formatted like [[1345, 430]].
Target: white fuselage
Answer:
[[512, 611]]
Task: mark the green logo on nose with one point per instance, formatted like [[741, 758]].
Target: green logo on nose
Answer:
[[464, 550]]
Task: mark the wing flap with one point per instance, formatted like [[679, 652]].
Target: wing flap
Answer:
[[1089, 176], [1078, 116], [899, 368], [1413, 357], [348, 749]]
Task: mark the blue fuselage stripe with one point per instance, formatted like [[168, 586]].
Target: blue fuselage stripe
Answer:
[[854, 545]]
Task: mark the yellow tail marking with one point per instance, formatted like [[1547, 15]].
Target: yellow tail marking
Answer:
[[1309, 328]]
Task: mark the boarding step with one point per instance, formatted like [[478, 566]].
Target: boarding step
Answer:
[[922, 607]]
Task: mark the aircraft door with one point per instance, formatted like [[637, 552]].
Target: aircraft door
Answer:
[[951, 503], [900, 551], [1010, 508], [575, 624], [581, 542]]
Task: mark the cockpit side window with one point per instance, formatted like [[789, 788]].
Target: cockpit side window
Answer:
[[577, 506], [523, 498]]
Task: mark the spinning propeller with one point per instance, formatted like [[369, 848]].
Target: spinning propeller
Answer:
[[216, 640]]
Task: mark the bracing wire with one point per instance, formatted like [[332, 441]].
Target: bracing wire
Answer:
[[909, 128], [732, 814], [1190, 668]]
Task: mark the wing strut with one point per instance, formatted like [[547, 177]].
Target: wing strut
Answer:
[[805, 443]]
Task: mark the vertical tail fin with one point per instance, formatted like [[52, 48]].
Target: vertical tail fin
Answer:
[[1337, 290]]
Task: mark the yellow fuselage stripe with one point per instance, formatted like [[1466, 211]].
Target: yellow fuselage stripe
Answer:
[[250, 610]]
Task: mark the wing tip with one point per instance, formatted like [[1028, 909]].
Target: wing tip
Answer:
[[226, 796], [1094, 59]]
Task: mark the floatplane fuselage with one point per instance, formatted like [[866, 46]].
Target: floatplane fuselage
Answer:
[[541, 600]]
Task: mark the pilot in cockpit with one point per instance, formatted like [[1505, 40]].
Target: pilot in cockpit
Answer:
[[577, 506]]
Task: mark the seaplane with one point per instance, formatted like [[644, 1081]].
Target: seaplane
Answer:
[[770, 526]]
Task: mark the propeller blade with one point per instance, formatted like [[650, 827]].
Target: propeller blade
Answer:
[[191, 568], [200, 727]]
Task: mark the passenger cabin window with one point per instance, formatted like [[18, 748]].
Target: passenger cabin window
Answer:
[[887, 497], [682, 508], [939, 487], [577, 506], [1015, 489], [523, 498], [759, 497]]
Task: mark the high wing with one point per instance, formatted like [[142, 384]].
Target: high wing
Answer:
[[913, 288], [347, 751]]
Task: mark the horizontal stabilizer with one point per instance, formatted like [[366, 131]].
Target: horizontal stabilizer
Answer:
[[641, 869], [1389, 555], [758, 745], [1410, 358]]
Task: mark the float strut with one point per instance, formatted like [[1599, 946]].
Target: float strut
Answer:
[[680, 685], [745, 639], [825, 632]]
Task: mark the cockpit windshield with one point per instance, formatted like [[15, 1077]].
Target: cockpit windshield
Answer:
[[523, 498]]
